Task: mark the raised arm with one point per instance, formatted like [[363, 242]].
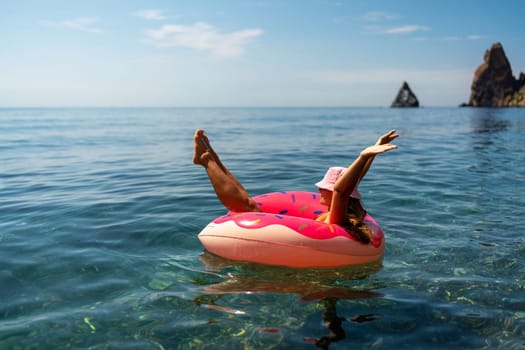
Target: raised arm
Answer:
[[350, 178], [383, 139]]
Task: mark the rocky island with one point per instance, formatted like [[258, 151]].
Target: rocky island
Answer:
[[494, 85], [405, 97]]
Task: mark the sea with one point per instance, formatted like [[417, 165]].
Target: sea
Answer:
[[100, 209]]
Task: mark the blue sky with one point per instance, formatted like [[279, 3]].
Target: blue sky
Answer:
[[250, 52]]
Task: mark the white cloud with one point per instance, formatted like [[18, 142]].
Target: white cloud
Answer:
[[458, 38], [203, 36], [377, 16], [151, 14], [474, 37], [406, 29], [84, 24]]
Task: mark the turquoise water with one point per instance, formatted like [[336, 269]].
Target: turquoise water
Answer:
[[101, 209]]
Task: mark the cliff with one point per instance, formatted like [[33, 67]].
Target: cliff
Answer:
[[494, 85]]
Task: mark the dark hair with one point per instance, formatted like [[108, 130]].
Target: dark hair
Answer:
[[355, 226]]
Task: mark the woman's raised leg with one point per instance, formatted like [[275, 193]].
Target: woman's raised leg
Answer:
[[228, 189]]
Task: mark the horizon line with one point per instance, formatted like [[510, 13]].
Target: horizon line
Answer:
[[233, 106]]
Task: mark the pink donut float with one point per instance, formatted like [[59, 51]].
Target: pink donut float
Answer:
[[285, 233]]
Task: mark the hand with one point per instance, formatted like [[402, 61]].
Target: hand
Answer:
[[377, 149], [387, 138]]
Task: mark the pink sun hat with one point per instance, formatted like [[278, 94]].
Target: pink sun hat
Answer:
[[331, 176]]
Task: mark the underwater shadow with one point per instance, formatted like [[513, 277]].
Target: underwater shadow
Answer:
[[309, 285], [334, 323]]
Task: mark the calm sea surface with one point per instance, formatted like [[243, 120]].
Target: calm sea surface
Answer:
[[100, 211]]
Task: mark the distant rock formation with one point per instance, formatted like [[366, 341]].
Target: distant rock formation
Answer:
[[494, 85], [405, 97]]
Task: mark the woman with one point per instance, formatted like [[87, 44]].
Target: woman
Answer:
[[338, 188]]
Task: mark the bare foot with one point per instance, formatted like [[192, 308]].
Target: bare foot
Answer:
[[202, 149]]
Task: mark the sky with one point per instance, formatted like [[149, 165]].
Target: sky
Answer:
[[249, 53]]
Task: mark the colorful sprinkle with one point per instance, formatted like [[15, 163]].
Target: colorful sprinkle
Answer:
[[302, 227]]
